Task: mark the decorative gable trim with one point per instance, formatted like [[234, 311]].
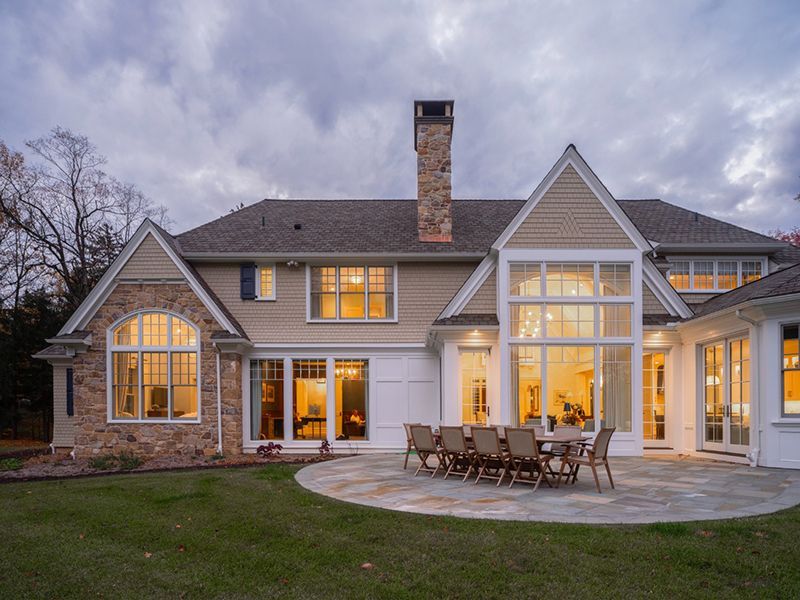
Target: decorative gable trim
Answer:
[[663, 291], [470, 287], [108, 282], [571, 157]]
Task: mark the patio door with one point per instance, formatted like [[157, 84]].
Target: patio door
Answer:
[[726, 396], [474, 410], [654, 400]]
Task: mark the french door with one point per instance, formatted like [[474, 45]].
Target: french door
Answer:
[[654, 400], [726, 396]]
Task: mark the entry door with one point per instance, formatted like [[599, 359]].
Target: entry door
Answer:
[[726, 396], [654, 399], [474, 409]]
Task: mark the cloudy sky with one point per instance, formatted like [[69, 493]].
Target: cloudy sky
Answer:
[[207, 104]]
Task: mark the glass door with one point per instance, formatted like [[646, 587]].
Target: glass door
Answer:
[[473, 388], [654, 399], [726, 396]]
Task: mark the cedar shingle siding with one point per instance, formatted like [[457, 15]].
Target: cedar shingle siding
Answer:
[[569, 215], [149, 261], [650, 304], [485, 299], [424, 290]]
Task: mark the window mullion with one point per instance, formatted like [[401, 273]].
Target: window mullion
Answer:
[[337, 273], [169, 386], [366, 295]]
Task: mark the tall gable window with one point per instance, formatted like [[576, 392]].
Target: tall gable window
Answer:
[[712, 276], [352, 293], [153, 358]]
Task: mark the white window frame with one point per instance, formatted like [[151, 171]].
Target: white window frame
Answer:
[[111, 347], [784, 414], [716, 260], [365, 266], [634, 341], [272, 297]]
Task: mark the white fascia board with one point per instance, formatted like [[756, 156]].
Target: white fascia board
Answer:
[[664, 291], [473, 283], [107, 282], [572, 157]]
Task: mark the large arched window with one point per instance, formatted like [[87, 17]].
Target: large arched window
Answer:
[[153, 361]]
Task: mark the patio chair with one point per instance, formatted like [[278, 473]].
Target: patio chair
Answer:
[[525, 454], [492, 460], [425, 444], [460, 456], [560, 449], [539, 429], [409, 441], [595, 455]]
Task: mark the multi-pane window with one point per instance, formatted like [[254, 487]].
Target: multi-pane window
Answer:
[[615, 320], [615, 387], [267, 420], [266, 282], [569, 320], [525, 279], [791, 370], [154, 364], [569, 279], [679, 274], [526, 320], [713, 276], [473, 388], [352, 293], [615, 279]]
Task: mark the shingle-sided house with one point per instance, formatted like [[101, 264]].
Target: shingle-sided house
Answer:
[[307, 320]]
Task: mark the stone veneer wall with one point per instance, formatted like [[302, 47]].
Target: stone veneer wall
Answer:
[[93, 433], [434, 188]]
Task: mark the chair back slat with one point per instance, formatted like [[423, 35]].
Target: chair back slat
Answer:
[[569, 429], [522, 442], [453, 439], [602, 440], [423, 438], [407, 427], [487, 440]]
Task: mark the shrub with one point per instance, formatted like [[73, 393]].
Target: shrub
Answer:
[[128, 460], [325, 448], [104, 462], [125, 461], [270, 450], [10, 464]]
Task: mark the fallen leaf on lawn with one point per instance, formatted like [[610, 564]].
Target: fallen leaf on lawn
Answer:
[[367, 566], [285, 581], [181, 548], [705, 533], [759, 534], [80, 536], [148, 554], [178, 526]]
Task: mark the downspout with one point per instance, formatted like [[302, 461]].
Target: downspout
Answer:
[[219, 403], [752, 455]]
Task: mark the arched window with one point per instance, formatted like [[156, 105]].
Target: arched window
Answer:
[[154, 360]]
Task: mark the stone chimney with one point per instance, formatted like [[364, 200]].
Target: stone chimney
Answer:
[[433, 131]]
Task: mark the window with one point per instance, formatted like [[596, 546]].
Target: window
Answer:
[[569, 320], [355, 293], [473, 388], [569, 279], [526, 320], [266, 282], [791, 370], [310, 399], [615, 280], [154, 365], [525, 279], [679, 275], [352, 386], [266, 400], [570, 385], [615, 387], [615, 320], [526, 383], [711, 276]]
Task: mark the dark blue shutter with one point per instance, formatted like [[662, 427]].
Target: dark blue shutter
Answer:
[[70, 394], [248, 282]]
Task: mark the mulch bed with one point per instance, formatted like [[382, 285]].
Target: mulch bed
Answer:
[[59, 466]]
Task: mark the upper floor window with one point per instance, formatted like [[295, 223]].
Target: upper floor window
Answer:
[[266, 282], [569, 280], [154, 368], [713, 275], [347, 293]]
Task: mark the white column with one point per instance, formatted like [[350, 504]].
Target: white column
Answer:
[[451, 394], [288, 400], [330, 374]]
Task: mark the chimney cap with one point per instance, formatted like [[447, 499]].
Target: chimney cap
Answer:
[[432, 111]]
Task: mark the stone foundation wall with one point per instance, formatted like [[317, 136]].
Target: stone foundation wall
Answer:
[[94, 435]]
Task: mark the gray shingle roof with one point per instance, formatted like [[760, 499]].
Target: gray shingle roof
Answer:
[[487, 319], [51, 351], [347, 226], [779, 283], [666, 223]]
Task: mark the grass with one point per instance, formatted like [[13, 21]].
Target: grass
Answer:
[[11, 464], [256, 533]]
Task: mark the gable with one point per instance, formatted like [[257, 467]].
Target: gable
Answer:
[[569, 215], [150, 261], [484, 300]]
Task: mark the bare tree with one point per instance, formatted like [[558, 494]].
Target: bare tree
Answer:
[[75, 215]]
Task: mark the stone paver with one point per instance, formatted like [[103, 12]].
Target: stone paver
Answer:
[[649, 490]]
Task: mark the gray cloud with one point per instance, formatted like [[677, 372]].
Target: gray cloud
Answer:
[[207, 104]]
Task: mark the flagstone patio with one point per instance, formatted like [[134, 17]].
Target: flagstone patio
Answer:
[[648, 490]]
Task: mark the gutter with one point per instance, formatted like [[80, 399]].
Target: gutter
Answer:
[[313, 256], [219, 403]]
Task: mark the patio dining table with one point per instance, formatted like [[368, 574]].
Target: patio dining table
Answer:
[[548, 438]]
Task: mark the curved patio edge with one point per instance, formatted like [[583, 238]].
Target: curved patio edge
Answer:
[[648, 490]]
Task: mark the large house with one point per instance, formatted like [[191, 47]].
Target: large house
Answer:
[[307, 320]]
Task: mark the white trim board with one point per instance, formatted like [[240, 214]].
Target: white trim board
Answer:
[[108, 282], [663, 290], [572, 157]]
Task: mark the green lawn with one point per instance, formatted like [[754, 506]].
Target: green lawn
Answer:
[[256, 533]]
